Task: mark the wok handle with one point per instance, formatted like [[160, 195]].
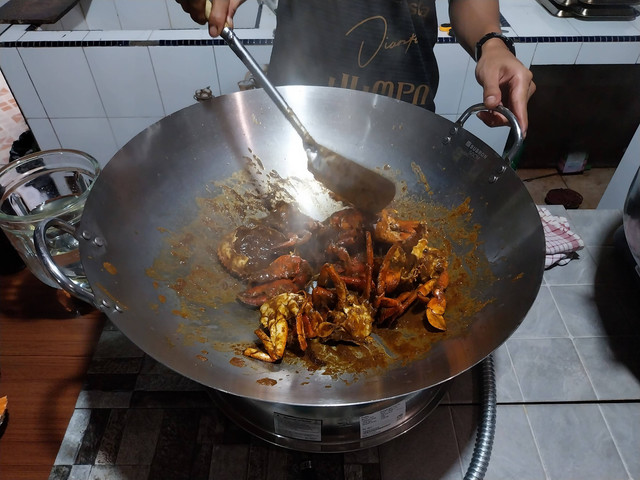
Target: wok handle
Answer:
[[42, 251], [515, 126]]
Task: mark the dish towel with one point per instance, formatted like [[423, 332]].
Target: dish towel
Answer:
[[561, 243]]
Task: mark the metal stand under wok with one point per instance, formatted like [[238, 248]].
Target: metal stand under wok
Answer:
[[241, 415]]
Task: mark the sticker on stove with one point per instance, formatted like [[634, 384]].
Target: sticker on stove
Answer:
[[382, 420], [299, 428]]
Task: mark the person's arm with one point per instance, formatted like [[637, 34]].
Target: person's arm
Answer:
[[222, 12], [504, 78]]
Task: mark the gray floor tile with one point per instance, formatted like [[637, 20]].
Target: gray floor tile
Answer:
[[514, 454], [464, 388], [612, 269], [139, 437], [575, 443], [100, 399], [543, 319], [229, 462], [80, 472], [624, 423], [73, 437], [596, 310], [580, 271], [613, 365], [576, 306], [508, 389], [119, 472], [549, 370], [433, 441], [595, 227]]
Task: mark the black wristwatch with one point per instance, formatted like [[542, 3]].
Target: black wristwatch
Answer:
[[507, 41]]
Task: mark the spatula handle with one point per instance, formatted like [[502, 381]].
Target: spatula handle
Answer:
[[243, 54]]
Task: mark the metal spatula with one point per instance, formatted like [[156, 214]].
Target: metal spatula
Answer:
[[350, 181]]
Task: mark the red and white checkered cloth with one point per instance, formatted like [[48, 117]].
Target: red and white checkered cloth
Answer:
[[561, 243]]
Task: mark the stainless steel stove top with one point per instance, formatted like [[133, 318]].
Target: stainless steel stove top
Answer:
[[592, 9]]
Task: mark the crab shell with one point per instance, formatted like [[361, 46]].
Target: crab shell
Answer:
[[249, 249]]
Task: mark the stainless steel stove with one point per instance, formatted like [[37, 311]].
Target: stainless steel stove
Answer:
[[593, 9]]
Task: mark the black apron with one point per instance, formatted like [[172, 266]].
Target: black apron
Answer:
[[379, 46]]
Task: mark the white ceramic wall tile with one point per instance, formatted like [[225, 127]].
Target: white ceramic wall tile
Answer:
[[530, 19], [268, 18], [602, 27], [101, 15], [246, 15], [115, 35], [556, 53], [44, 133], [451, 117], [53, 36], [607, 53], [142, 14], [184, 34], [17, 77], [13, 33], [126, 81], [180, 71], [471, 91], [255, 33], [63, 81], [91, 135], [442, 11], [525, 53], [124, 129], [178, 18], [231, 70], [452, 62], [74, 19]]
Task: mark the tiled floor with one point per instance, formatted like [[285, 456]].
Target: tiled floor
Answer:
[[591, 184]]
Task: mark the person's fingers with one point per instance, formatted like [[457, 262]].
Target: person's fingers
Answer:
[[491, 95], [217, 12], [493, 119], [521, 89]]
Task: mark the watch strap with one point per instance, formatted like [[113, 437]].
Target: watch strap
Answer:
[[507, 41]]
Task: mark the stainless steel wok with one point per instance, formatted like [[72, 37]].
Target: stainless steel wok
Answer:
[[151, 184]]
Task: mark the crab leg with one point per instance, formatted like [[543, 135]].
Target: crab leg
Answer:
[[368, 279]]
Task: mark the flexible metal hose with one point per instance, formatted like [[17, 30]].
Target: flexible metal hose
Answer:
[[487, 428]]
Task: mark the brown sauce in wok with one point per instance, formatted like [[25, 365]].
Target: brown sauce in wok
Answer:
[[190, 269]]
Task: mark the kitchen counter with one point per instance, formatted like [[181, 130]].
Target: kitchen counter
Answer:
[[568, 390]]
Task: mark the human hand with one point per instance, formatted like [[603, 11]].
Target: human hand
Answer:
[[506, 81], [222, 12]]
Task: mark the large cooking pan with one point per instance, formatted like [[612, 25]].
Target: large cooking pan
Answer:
[[150, 188]]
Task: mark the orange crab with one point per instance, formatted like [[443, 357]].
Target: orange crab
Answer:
[[286, 274]]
